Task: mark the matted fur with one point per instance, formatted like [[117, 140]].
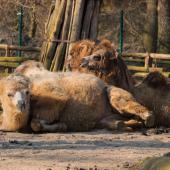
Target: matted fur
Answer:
[[154, 93], [110, 68], [77, 100], [14, 119]]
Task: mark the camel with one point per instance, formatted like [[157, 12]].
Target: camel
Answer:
[[72, 101], [101, 59], [15, 100], [154, 93]]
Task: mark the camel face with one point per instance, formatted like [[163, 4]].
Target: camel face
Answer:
[[15, 99], [100, 61]]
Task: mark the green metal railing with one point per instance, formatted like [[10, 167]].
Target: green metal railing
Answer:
[[121, 33], [20, 28]]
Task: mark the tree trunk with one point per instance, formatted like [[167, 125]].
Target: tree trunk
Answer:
[[164, 26], [48, 52], [94, 22], [87, 19], [151, 28], [77, 21], [59, 55]]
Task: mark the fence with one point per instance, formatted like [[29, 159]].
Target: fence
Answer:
[[139, 63], [8, 63]]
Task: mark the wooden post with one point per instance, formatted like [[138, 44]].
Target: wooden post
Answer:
[[58, 60], [49, 48]]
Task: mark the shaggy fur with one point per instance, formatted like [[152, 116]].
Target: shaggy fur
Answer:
[[77, 102], [100, 59], [154, 93], [15, 99], [127, 105]]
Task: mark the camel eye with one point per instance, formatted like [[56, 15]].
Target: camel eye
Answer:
[[10, 94], [97, 58], [27, 92]]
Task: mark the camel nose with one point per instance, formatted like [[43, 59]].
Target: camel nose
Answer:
[[21, 105], [84, 63]]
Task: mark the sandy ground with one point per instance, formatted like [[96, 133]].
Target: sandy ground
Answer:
[[101, 150]]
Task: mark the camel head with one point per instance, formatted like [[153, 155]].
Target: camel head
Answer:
[[79, 50], [109, 67], [15, 100]]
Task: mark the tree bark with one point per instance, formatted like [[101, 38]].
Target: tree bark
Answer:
[[87, 19], [151, 28], [50, 46], [94, 22], [164, 26], [59, 55], [77, 21]]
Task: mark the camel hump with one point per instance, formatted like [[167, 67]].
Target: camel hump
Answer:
[[155, 80]]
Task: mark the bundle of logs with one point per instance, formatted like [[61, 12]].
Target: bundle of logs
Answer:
[[68, 21]]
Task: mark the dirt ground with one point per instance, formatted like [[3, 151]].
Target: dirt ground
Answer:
[[96, 150]]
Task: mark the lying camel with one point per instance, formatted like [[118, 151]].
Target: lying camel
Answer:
[[15, 100], [154, 93], [101, 59], [76, 102]]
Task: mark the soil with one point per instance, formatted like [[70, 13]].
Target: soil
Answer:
[[96, 150]]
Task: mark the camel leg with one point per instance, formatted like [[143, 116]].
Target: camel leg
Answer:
[[133, 123], [43, 126], [117, 122], [126, 105]]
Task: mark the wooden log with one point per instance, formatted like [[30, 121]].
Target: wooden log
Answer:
[[143, 69], [9, 64], [70, 30], [87, 19], [58, 60], [134, 60], [17, 59], [3, 75], [143, 55], [49, 48], [50, 15], [18, 48], [94, 22], [76, 25], [144, 74]]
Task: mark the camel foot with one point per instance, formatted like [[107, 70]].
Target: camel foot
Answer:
[[43, 126], [133, 123], [149, 121]]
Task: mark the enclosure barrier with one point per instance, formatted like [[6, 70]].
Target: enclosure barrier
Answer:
[[9, 48], [145, 58], [8, 62]]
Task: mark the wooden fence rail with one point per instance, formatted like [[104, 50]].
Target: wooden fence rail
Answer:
[[9, 48], [144, 55], [163, 59]]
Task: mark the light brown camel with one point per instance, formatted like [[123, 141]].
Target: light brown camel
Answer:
[[101, 59], [76, 102], [15, 100]]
